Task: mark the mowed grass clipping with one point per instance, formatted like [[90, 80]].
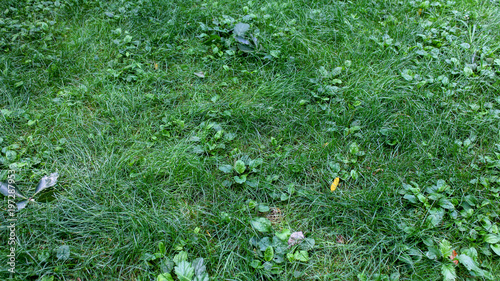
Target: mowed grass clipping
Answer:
[[196, 129]]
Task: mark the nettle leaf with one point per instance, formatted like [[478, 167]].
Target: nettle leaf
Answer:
[[445, 248], [448, 272], [184, 271], [166, 265], [239, 167], [241, 28], [226, 168], [261, 224], [5, 187], [180, 257], [46, 182]]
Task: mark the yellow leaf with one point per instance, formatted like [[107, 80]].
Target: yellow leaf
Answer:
[[156, 66], [334, 185]]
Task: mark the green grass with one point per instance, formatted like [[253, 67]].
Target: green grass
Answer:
[[104, 93]]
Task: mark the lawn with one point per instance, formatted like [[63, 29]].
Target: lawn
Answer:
[[194, 140]]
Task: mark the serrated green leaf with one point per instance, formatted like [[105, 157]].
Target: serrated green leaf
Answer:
[[448, 272], [445, 248], [433, 253], [203, 277], [184, 271], [180, 257], [261, 224], [336, 71], [199, 267]]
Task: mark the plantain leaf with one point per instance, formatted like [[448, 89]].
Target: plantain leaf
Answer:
[[46, 182], [269, 253], [496, 248]]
